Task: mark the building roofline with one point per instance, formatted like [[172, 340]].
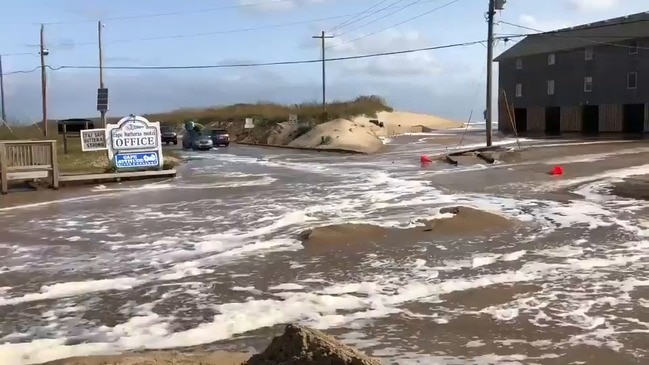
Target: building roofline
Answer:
[[600, 31]]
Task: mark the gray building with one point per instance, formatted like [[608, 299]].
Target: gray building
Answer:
[[590, 78]]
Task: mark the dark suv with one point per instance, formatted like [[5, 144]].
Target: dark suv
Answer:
[[167, 135], [220, 137]]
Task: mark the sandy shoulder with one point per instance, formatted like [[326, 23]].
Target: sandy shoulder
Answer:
[[158, 358]]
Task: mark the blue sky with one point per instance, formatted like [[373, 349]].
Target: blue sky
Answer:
[[200, 32]]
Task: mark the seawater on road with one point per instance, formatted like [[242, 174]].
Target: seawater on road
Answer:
[[210, 260]]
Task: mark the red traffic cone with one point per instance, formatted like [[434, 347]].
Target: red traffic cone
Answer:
[[425, 159], [557, 171]]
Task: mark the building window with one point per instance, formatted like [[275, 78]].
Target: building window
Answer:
[[519, 63], [588, 84], [633, 47], [519, 90], [551, 59], [632, 80], [550, 87], [588, 53]]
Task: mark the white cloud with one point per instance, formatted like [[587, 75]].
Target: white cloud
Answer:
[[266, 6], [593, 5], [409, 64]]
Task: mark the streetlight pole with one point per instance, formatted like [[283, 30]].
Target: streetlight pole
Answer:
[[322, 38]]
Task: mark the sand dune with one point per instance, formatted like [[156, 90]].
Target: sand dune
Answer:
[[360, 135], [396, 122], [341, 134]]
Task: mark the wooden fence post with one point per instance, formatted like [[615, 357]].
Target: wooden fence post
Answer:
[[55, 165], [4, 183]]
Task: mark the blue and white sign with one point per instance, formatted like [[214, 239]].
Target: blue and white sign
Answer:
[[137, 160], [134, 143]]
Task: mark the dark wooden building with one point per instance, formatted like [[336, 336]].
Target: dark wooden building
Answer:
[[590, 78]]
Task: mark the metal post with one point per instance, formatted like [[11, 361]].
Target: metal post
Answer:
[[2, 94], [43, 81], [102, 113], [490, 55], [322, 38]]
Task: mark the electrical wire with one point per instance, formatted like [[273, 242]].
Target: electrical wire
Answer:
[[382, 17], [389, 6], [347, 22], [397, 24], [221, 32], [259, 64], [174, 13]]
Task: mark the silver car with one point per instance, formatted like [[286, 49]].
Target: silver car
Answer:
[[203, 142]]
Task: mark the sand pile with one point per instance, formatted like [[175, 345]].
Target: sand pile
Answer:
[[296, 346], [396, 123], [462, 221], [304, 346], [341, 134]]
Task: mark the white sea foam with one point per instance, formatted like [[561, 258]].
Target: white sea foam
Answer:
[[267, 223]]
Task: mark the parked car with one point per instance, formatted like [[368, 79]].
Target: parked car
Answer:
[[167, 135], [220, 137], [203, 142]]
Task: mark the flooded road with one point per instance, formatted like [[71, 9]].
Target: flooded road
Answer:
[[210, 259]]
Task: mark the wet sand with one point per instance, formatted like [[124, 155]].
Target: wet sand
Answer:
[[159, 358], [210, 261]]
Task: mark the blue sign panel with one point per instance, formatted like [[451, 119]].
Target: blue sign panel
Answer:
[[137, 160]]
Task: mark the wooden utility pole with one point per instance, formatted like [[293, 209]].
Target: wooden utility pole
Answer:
[[102, 112], [2, 94], [43, 53], [322, 38], [490, 57]]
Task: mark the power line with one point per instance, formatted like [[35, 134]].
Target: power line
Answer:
[[389, 6], [384, 16], [174, 13], [227, 31], [259, 64], [397, 24], [346, 22]]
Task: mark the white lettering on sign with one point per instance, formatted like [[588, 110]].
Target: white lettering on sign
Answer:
[[93, 140], [134, 134]]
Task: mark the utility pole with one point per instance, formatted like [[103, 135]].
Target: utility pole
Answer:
[[491, 13], [102, 112], [490, 58], [44, 52], [322, 38], [2, 94]]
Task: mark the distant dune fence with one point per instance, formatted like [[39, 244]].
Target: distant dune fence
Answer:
[[26, 160]]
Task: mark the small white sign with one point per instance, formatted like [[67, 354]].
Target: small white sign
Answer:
[[292, 118], [249, 123], [133, 134], [93, 140]]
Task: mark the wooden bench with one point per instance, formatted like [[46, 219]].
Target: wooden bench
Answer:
[[28, 160]]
